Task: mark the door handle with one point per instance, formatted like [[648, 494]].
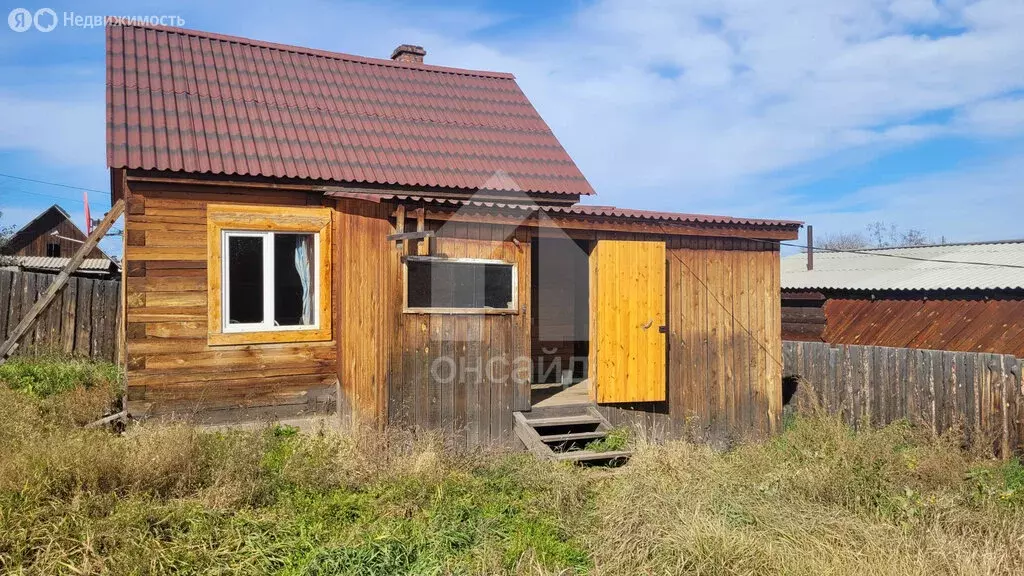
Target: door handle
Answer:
[[647, 324]]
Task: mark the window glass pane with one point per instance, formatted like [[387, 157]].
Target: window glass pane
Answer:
[[497, 286], [245, 279], [440, 284], [294, 280]]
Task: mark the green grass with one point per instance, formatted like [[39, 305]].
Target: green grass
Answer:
[[617, 439], [172, 498], [46, 376]]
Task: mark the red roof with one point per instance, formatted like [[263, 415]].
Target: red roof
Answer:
[[190, 101], [583, 210]]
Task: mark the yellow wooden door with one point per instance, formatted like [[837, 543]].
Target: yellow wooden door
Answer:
[[627, 312]]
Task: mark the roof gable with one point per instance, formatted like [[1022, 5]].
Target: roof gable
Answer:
[[181, 100], [49, 220]]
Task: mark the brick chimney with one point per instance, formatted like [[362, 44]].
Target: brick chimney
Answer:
[[409, 53]]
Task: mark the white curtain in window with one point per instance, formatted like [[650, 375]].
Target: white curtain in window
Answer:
[[303, 261]]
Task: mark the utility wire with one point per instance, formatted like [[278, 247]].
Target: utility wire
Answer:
[[33, 180], [722, 305], [874, 252]]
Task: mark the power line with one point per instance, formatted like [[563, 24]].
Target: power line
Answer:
[[34, 181], [903, 257], [722, 305]]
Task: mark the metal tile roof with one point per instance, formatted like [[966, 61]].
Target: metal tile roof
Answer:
[[57, 264], [584, 210], [945, 267], [192, 101]]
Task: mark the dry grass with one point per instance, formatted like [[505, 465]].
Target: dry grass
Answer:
[[818, 499]]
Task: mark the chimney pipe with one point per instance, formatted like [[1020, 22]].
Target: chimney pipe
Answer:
[[409, 53], [810, 247]]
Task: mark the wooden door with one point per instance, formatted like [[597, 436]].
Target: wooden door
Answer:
[[627, 312]]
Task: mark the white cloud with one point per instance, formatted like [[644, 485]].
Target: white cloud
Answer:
[[978, 202], [713, 105]]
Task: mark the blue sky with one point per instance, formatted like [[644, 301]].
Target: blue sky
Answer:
[[838, 113]]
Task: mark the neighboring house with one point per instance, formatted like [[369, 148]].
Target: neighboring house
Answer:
[[962, 297], [47, 243], [305, 228]]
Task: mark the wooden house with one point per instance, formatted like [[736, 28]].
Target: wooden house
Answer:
[[46, 244], [961, 297], [308, 230]]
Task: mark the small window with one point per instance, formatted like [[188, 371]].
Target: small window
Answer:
[[460, 285], [52, 250], [270, 281]]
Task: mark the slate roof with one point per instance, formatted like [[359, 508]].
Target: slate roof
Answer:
[[50, 264], [941, 267], [182, 100]]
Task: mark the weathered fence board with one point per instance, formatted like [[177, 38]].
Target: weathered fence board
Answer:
[[980, 393], [82, 319]]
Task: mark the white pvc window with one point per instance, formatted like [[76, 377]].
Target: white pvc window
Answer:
[[269, 281]]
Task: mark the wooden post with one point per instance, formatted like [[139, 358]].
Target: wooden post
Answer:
[[810, 247], [423, 246], [30, 318]]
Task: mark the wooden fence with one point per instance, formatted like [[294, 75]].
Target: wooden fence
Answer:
[[83, 320], [980, 393]]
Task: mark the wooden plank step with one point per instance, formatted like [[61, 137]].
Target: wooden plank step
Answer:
[[563, 421], [588, 456], [574, 436]]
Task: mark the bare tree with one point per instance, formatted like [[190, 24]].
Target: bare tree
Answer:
[[879, 235], [5, 236], [885, 235], [844, 241]]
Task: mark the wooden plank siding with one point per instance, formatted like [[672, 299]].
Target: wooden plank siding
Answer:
[[170, 367], [463, 374], [724, 343], [34, 238]]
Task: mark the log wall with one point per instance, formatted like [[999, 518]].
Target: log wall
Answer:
[[171, 368]]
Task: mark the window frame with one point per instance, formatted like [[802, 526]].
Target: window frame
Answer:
[[406, 309], [269, 286], [259, 219]]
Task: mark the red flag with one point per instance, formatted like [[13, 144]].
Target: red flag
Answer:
[[88, 217]]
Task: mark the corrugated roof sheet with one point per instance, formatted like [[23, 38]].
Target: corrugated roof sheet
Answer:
[[946, 267], [192, 101], [57, 264], [576, 209]]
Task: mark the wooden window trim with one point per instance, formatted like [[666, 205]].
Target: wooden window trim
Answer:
[[514, 309], [233, 217]]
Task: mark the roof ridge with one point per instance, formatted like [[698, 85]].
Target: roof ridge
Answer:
[[316, 52]]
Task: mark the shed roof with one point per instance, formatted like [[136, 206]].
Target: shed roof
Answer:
[[50, 264], [583, 210], [182, 100], [971, 266]]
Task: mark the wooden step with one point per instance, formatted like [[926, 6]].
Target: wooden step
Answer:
[[573, 436], [563, 421], [588, 456]]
